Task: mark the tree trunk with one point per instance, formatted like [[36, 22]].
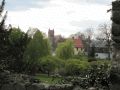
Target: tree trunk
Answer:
[[109, 54], [48, 73]]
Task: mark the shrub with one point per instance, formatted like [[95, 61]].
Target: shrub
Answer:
[[88, 74], [50, 64], [99, 73], [80, 57], [76, 67]]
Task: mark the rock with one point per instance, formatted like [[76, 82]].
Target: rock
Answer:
[[78, 88], [115, 87], [19, 86], [36, 86], [7, 87], [34, 80], [92, 88]]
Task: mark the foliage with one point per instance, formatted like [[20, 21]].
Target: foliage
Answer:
[[97, 75], [81, 57], [48, 79], [91, 53], [36, 49], [65, 50], [18, 41], [4, 43], [76, 67], [50, 64]]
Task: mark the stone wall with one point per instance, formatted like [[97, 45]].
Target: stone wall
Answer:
[[34, 86]]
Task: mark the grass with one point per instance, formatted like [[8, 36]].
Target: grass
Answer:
[[48, 79]]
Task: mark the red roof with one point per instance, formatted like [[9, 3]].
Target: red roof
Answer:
[[78, 43]]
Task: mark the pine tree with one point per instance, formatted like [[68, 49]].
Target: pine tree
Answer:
[[18, 41], [3, 38]]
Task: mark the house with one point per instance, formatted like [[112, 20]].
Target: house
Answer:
[[78, 45], [101, 49]]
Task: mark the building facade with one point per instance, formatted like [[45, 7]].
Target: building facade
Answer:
[[78, 45]]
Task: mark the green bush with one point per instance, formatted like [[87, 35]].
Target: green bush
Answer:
[[88, 74], [80, 57], [99, 73], [76, 67], [50, 64]]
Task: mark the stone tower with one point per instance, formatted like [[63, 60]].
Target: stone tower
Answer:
[[115, 71], [51, 38]]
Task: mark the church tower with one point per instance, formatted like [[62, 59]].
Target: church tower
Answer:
[[51, 38]]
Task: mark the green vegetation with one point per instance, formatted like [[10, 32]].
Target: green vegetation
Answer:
[[31, 55], [81, 73], [4, 42], [65, 50], [18, 41], [81, 57], [36, 49], [49, 64], [76, 67], [48, 79], [91, 53]]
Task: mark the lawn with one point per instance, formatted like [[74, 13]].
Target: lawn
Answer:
[[48, 79]]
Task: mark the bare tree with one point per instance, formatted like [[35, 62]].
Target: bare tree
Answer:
[[89, 33], [90, 45], [105, 36]]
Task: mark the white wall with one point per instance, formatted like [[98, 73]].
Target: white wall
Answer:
[[102, 55]]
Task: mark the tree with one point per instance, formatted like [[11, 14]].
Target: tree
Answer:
[[48, 64], [18, 41], [4, 43], [105, 36], [91, 53], [89, 35], [65, 50], [51, 64], [37, 48]]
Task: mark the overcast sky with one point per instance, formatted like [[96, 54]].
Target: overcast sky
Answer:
[[65, 16]]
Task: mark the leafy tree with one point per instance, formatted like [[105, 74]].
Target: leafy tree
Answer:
[[65, 50], [4, 43], [51, 64], [36, 49], [18, 41], [48, 64]]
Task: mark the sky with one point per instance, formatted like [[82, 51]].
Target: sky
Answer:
[[66, 17]]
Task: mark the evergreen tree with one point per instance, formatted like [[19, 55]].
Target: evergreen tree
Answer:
[[36, 49], [91, 53], [4, 33], [18, 41]]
